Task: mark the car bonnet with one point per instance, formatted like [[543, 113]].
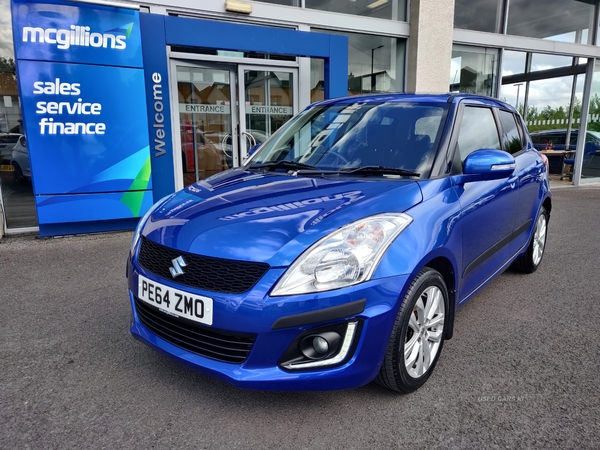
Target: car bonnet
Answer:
[[267, 217]]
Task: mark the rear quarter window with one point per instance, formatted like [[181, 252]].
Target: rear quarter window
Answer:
[[512, 140]]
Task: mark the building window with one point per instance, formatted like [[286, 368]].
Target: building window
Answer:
[[557, 20], [375, 64], [473, 70], [380, 9], [483, 15]]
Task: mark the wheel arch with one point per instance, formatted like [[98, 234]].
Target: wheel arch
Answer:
[[446, 269], [547, 204]]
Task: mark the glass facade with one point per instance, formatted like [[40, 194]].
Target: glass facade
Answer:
[[375, 64], [549, 94], [591, 155], [558, 20], [16, 189], [473, 70]]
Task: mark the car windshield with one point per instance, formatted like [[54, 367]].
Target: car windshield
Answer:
[[9, 139], [341, 138]]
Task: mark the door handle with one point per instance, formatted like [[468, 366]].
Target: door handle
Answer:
[[250, 138]]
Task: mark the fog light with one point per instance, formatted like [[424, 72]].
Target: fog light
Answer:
[[320, 345]]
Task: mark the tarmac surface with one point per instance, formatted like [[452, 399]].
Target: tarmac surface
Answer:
[[522, 370]]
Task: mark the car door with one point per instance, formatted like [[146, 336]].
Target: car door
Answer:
[[529, 170], [488, 207]]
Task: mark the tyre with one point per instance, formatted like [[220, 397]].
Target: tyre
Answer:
[[18, 173], [418, 334], [529, 261]]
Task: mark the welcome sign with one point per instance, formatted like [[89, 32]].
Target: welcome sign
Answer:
[[83, 100]]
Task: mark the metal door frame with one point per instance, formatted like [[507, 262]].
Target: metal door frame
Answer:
[[175, 116]]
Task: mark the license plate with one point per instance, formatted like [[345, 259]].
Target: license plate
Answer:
[[175, 302], [7, 168]]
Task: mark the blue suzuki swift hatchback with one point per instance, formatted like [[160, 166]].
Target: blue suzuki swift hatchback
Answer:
[[339, 253]]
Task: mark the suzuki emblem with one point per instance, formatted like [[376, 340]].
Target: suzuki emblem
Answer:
[[178, 263]]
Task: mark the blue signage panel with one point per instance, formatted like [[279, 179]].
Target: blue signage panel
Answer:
[[82, 92], [76, 32], [159, 108], [86, 126]]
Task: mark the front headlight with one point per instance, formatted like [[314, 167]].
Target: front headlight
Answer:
[[345, 257], [140, 226]]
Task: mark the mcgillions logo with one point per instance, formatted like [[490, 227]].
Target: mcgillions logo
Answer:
[[79, 36]]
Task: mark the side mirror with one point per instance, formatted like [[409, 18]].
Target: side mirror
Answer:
[[489, 164]]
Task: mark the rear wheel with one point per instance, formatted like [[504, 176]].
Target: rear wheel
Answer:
[[418, 335], [532, 258], [18, 173]]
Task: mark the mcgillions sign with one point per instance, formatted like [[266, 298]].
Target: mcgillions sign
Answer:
[[77, 35]]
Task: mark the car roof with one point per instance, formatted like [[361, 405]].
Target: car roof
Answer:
[[425, 98]]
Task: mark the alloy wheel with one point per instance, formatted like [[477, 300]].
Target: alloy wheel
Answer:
[[539, 239], [424, 332]]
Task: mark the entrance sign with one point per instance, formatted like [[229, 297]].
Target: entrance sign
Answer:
[[208, 109], [270, 110], [84, 106]]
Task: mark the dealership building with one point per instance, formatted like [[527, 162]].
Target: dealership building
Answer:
[[106, 107]]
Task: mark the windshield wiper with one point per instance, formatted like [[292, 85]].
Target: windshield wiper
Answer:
[[380, 170], [283, 164]]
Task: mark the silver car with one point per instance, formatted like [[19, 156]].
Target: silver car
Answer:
[[20, 161]]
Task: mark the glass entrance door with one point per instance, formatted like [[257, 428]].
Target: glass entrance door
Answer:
[[206, 118], [216, 131], [269, 99]]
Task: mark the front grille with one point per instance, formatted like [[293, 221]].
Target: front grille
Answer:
[[204, 341], [203, 272]]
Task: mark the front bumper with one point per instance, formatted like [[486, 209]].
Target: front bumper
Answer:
[[255, 313]]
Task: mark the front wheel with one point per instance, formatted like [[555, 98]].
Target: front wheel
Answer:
[[531, 259], [418, 334]]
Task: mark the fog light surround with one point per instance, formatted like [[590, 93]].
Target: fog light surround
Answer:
[[339, 341]]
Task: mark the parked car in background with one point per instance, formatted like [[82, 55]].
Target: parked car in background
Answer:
[[8, 141], [20, 161], [339, 253], [556, 140]]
